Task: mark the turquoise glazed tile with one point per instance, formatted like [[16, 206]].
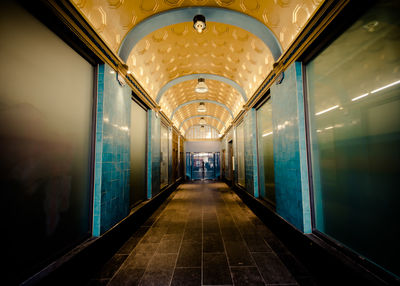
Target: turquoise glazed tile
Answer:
[[111, 202], [290, 157]]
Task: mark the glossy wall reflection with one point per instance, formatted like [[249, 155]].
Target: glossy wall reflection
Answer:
[[46, 101], [354, 107], [266, 152]]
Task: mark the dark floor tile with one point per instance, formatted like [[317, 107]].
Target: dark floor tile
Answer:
[[256, 244], [230, 233], [193, 235], [211, 226], [212, 242], [293, 265], [244, 276], [170, 243], [189, 255], [238, 254], [133, 241], [186, 277], [127, 276], [138, 260], [307, 281], [155, 234], [109, 269], [176, 228], [148, 247], [215, 269], [159, 271], [272, 269], [98, 282]]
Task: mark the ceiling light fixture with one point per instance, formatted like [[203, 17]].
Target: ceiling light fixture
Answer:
[[199, 23], [201, 86], [201, 107], [202, 121]]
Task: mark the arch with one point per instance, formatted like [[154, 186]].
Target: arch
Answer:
[[196, 76], [186, 130], [194, 116], [212, 14], [201, 100]]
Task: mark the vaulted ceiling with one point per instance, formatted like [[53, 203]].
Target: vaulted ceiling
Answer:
[[166, 55]]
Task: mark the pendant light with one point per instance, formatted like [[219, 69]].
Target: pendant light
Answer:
[[201, 86], [202, 121], [201, 107], [199, 23]]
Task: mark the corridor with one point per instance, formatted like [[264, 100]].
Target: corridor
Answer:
[[203, 235], [110, 109]]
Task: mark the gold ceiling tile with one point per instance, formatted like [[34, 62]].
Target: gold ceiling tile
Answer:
[[203, 58], [250, 5], [115, 3], [149, 6], [79, 3], [276, 15], [173, 3], [184, 91]]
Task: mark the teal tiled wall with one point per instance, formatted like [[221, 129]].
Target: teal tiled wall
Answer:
[[111, 195], [290, 157]]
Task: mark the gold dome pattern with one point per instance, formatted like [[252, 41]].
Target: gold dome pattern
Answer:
[[112, 19], [175, 51], [212, 110], [178, 50], [184, 92], [196, 121]]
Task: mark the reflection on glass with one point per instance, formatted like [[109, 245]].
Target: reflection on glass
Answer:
[[354, 104], [188, 166], [240, 154], [203, 166], [266, 152], [164, 156]]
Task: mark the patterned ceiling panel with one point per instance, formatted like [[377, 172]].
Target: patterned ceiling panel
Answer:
[[196, 121], [112, 19], [178, 50], [212, 110], [184, 92]]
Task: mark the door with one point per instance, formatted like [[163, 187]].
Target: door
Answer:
[[204, 166]]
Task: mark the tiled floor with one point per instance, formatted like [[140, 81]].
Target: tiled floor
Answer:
[[203, 235]]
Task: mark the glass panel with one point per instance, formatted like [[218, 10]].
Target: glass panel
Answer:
[[188, 165], [354, 104], [217, 165], [240, 154], [164, 156], [209, 166], [197, 166], [45, 142], [266, 152], [138, 154]]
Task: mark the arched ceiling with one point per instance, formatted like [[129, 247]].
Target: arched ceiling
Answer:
[[178, 50], [195, 120], [212, 109], [167, 58], [113, 19], [184, 92]]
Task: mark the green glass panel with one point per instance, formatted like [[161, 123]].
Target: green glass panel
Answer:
[[266, 152], [354, 107]]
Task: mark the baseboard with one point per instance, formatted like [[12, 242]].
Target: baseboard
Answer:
[[329, 264], [78, 265]]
